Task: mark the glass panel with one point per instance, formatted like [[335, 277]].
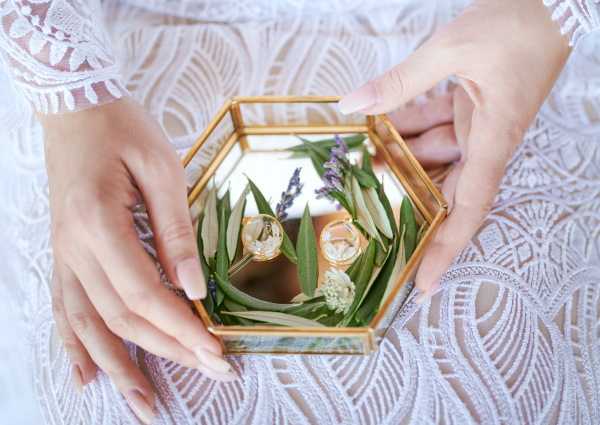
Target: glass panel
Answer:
[[294, 345]]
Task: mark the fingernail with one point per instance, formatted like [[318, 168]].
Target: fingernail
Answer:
[[212, 361], [362, 98], [77, 377], [425, 295], [140, 406], [218, 376], [190, 276]]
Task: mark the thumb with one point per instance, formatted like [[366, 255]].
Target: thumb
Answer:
[[422, 70], [162, 183]]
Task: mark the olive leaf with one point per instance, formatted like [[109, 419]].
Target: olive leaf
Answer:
[[264, 208], [235, 222], [370, 304], [398, 266], [210, 225], [361, 282], [275, 318], [388, 208], [222, 257], [362, 213], [367, 165], [409, 226], [306, 249], [375, 208], [365, 179], [352, 142], [246, 300]]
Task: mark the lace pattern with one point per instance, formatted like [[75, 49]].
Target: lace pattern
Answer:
[[58, 53], [576, 17], [512, 337]]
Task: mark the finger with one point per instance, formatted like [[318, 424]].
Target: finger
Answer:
[[83, 368], [428, 65], [161, 180], [433, 148], [135, 278], [418, 118], [462, 111], [125, 324], [490, 147], [107, 350], [449, 185]]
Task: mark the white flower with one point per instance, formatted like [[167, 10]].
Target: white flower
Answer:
[[338, 290]]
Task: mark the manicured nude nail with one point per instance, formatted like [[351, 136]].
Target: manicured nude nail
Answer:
[[425, 295], [212, 361], [362, 98], [190, 276], [218, 376], [140, 406], [77, 376]]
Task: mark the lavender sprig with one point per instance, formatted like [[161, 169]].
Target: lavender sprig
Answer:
[[333, 178], [293, 190]]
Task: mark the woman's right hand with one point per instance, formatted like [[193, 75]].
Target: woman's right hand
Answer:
[[102, 162]]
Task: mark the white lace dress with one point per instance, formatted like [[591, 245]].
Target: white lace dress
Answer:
[[514, 335]]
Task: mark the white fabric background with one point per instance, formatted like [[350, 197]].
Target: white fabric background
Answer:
[[512, 338]]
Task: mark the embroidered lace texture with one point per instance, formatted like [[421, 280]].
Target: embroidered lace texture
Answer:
[[58, 53], [512, 337], [577, 17]]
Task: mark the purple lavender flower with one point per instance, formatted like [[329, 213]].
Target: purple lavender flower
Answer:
[[333, 178], [293, 190]]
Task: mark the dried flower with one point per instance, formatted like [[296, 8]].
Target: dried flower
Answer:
[[333, 177], [293, 190], [338, 290], [212, 289]]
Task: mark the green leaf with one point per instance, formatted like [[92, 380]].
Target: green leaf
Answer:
[[367, 165], [368, 308], [353, 142], [222, 257], [362, 213], [317, 163], [313, 309], [342, 199], [264, 208], [210, 225], [388, 208], [375, 208], [365, 179], [276, 318], [306, 249], [321, 152], [235, 223], [400, 264], [352, 271], [409, 225], [246, 300], [362, 280]]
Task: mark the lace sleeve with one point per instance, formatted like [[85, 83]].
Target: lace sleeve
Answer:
[[58, 53], [576, 17]]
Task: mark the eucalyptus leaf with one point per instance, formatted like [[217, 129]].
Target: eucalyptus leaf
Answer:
[[306, 249], [246, 300], [276, 318], [264, 208], [362, 213], [409, 224], [210, 225], [235, 223], [375, 208]]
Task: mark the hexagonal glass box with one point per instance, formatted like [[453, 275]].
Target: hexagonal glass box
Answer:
[[252, 137]]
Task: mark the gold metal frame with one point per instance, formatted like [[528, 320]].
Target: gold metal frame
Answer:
[[234, 110]]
